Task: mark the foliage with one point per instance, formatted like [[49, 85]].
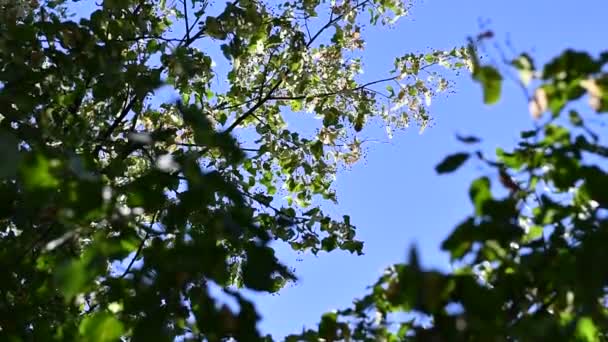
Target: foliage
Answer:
[[119, 210], [530, 261]]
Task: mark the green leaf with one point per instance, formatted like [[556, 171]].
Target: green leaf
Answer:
[[491, 82], [468, 139], [328, 326], [359, 121], [317, 149], [575, 118], [525, 65], [528, 134], [459, 243], [329, 243], [586, 330], [524, 62], [101, 327], [353, 247], [534, 233], [452, 162], [331, 117], [214, 28], [480, 193], [37, 172], [72, 278], [571, 65]]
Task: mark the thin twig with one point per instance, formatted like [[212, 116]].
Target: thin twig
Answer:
[[139, 249], [306, 26], [125, 111], [186, 19], [224, 105], [301, 97], [142, 37], [202, 146]]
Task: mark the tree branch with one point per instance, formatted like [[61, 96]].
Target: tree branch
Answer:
[[224, 105], [139, 249], [142, 37], [250, 111], [202, 146], [332, 21], [185, 41], [186, 19], [302, 97], [268, 96], [125, 111]]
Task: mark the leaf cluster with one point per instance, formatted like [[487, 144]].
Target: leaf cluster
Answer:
[[530, 261]]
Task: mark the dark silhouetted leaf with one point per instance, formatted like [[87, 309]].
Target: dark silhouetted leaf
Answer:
[[452, 163]]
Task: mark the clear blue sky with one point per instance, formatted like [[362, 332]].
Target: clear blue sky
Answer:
[[394, 196]]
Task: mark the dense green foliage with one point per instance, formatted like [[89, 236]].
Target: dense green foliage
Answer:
[[120, 209], [530, 262]]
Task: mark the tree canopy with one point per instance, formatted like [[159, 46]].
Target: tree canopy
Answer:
[[120, 208]]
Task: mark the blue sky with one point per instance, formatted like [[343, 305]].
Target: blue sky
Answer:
[[394, 196]]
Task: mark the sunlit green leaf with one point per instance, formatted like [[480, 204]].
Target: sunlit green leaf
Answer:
[[101, 327], [586, 330], [491, 82]]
